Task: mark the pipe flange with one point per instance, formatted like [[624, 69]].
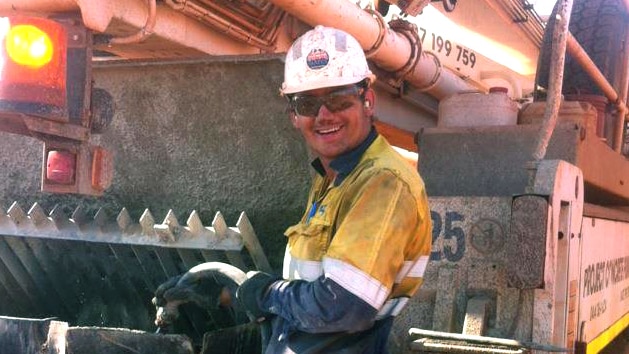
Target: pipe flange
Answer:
[[435, 78], [409, 31], [382, 27], [145, 31]]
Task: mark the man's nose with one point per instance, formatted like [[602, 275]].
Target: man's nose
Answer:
[[324, 112]]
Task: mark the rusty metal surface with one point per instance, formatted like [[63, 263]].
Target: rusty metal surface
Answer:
[[604, 170], [96, 271], [600, 212]]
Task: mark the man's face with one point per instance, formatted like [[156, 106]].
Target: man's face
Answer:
[[339, 125]]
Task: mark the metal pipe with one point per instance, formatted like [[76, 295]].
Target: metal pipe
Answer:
[[619, 127], [427, 75], [422, 336], [418, 333], [558, 58], [145, 31], [171, 25], [432, 347], [579, 54], [394, 50]]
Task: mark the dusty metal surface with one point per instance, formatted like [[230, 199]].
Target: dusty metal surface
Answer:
[[90, 340], [494, 159], [438, 342], [180, 143], [124, 230], [469, 259], [46, 336], [186, 136], [23, 336], [563, 183], [97, 272], [503, 267], [485, 161], [528, 232], [476, 316], [558, 58]]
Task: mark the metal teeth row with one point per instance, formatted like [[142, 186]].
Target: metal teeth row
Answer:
[[100, 228]]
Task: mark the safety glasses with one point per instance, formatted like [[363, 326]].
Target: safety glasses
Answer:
[[336, 101]]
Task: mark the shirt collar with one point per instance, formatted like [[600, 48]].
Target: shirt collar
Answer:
[[344, 164]]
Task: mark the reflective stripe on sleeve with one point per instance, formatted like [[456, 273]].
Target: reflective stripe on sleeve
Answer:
[[356, 281], [412, 269], [301, 269], [392, 307]]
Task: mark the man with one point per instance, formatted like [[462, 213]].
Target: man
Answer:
[[360, 250]]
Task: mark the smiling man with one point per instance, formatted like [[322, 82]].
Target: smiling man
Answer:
[[361, 248]]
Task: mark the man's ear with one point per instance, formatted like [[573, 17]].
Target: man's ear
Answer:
[[293, 118], [370, 100]]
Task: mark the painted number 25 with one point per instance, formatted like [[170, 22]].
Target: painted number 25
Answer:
[[450, 231]]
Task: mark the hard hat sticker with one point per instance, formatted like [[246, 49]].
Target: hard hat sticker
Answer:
[[317, 59]]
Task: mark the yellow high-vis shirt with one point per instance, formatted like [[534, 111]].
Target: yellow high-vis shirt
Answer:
[[369, 231]]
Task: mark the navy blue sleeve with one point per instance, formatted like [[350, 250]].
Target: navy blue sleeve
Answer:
[[319, 306]]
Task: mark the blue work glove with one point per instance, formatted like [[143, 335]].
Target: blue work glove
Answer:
[[251, 293]]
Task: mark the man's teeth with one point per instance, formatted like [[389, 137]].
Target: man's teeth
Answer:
[[329, 130]]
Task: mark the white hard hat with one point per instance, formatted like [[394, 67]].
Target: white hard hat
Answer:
[[324, 57]]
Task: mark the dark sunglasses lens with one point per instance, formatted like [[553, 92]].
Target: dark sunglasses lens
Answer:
[[307, 106], [339, 103]]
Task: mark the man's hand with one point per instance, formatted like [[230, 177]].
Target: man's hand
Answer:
[[207, 285], [251, 293]]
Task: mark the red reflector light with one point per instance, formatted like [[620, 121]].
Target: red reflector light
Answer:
[[60, 166], [33, 55], [102, 169]]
